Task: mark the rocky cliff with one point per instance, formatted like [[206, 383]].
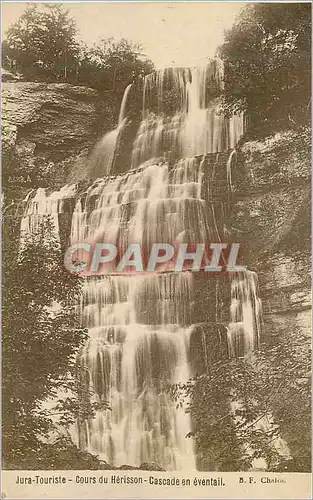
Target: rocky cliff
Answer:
[[49, 129], [271, 219]]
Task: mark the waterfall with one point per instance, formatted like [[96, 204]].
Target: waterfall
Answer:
[[122, 115], [41, 204], [243, 338], [196, 125], [103, 154], [140, 326], [131, 364], [155, 204], [245, 314]]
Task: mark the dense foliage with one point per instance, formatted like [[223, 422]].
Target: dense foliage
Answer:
[[41, 335], [242, 409], [112, 65], [267, 54], [42, 45], [60, 455]]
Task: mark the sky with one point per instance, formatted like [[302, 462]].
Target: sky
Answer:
[[171, 34]]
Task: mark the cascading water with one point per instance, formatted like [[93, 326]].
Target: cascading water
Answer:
[[102, 157], [139, 337], [196, 126], [243, 338], [140, 326], [42, 204], [245, 314], [131, 364]]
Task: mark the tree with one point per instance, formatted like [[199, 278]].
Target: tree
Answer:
[[42, 44], [41, 335], [113, 64], [267, 62]]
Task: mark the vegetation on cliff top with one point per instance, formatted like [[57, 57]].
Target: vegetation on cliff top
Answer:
[[267, 55], [42, 45]]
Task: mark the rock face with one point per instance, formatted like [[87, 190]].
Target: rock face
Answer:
[[271, 219], [51, 128]]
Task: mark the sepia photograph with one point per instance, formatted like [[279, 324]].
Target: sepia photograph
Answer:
[[156, 257]]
